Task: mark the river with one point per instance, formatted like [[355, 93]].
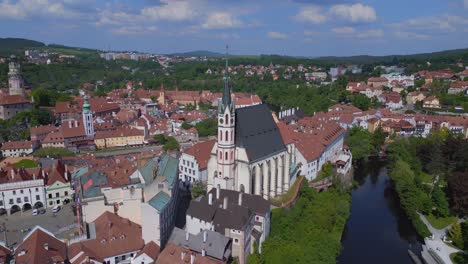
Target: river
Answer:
[[377, 230]]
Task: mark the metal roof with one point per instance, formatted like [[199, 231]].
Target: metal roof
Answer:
[[159, 201]]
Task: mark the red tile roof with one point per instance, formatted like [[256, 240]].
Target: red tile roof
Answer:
[[12, 99], [40, 247], [202, 153], [17, 145], [115, 236]]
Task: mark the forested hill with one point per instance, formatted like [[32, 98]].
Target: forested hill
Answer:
[[12, 44], [198, 53], [446, 56]]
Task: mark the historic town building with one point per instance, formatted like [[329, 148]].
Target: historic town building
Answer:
[[249, 155]]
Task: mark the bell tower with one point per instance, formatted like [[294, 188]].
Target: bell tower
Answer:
[[226, 136], [15, 81], [88, 118]]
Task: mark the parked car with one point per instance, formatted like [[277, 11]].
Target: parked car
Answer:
[[56, 209], [35, 212]]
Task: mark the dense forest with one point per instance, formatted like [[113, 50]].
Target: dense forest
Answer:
[[430, 176], [308, 232]]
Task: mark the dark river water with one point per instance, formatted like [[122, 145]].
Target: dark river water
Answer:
[[377, 230]]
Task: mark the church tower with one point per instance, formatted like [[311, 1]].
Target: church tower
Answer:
[[15, 81], [226, 137], [88, 118]]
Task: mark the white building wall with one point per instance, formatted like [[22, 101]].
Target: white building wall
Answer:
[[150, 224], [21, 193], [16, 152], [194, 225], [143, 259]]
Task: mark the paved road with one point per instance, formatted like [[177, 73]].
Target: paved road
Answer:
[[135, 150], [436, 244], [19, 221]]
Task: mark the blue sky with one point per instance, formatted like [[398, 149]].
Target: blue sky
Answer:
[[289, 27]]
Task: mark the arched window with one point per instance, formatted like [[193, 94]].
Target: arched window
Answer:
[[220, 135], [232, 135], [226, 137], [220, 155], [227, 119], [226, 156], [232, 155]]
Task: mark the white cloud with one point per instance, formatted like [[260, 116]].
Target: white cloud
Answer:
[[411, 35], [220, 20], [311, 33], [312, 14], [355, 12], [170, 10], [373, 33], [134, 30], [23, 9], [344, 30], [228, 36], [277, 35], [434, 24]]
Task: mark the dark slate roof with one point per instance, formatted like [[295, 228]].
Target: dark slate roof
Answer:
[[257, 132], [236, 216], [216, 245], [255, 203]]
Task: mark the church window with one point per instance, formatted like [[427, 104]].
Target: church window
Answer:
[[221, 121], [227, 119], [220, 135], [226, 137], [220, 155], [226, 156]]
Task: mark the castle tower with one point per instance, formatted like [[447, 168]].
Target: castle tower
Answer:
[[162, 96], [15, 81], [88, 118], [226, 136]]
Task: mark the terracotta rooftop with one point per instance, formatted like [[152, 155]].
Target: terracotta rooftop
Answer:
[[40, 246], [201, 152]]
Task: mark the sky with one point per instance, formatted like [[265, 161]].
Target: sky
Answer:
[[288, 27]]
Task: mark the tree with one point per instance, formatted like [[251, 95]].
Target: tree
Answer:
[[361, 101], [360, 142], [160, 139], [171, 144], [198, 189], [186, 125], [458, 186], [455, 234], [53, 152], [440, 201], [207, 127]]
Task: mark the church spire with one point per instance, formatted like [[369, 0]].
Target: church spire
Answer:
[[227, 90], [86, 105]]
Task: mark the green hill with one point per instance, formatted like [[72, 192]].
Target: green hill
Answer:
[[15, 44], [447, 56], [198, 53]]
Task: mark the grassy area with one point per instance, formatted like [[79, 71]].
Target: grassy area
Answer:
[[26, 163], [440, 222], [278, 201]]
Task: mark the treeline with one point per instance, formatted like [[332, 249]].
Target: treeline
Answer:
[[18, 127], [427, 174], [309, 232], [363, 143]]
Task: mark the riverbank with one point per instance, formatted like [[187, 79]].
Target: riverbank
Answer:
[[377, 230], [309, 231]]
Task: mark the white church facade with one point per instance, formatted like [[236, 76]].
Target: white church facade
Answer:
[[249, 155]]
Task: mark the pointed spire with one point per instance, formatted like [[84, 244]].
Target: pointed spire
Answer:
[[227, 90]]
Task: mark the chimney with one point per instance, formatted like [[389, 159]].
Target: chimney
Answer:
[[192, 258], [46, 246], [182, 255], [69, 124], [34, 176], [203, 252], [12, 174], [210, 199], [43, 174], [76, 123], [240, 198], [187, 236], [225, 203], [205, 236], [217, 192]]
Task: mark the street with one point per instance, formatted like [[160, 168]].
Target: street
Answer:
[[19, 221]]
